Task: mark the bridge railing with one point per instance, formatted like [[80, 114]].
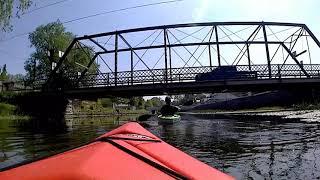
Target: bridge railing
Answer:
[[175, 75], [188, 74]]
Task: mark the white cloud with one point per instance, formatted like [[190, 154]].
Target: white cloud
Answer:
[[253, 10], [201, 11]]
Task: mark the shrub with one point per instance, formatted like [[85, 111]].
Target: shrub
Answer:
[[106, 102], [6, 109]]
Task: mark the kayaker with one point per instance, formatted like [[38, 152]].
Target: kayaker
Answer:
[[167, 109]]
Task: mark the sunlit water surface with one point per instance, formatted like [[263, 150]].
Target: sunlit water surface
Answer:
[[246, 148]]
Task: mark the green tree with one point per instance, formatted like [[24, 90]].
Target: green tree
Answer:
[[133, 101], [7, 12], [149, 103], [141, 103], [157, 102], [4, 73], [16, 77], [137, 102], [106, 102], [53, 38], [122, 101]]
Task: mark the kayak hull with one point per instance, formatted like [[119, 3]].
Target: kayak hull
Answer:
[[128, 152], [169, 119]]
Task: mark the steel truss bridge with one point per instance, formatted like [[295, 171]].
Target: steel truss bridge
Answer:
[[166, 59]]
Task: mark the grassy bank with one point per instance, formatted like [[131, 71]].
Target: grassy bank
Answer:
[[8, 111], [15, 117]]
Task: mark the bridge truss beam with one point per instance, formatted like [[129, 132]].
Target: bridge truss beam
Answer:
[[218, 36]]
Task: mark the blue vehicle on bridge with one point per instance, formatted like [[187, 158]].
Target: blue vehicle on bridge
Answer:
[[226, 72]]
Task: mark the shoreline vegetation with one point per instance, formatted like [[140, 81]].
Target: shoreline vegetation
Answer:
[[104, 107], [8, 111], [107, 107], [15, 117], [107, 112]]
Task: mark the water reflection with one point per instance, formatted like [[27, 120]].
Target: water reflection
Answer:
[[245, 147], [22, 140]]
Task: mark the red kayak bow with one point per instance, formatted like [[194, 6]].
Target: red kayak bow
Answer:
[[128, 152]]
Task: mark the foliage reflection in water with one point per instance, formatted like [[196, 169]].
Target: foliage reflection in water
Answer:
[[244, 147]]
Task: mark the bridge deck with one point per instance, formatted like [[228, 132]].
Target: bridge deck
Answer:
[[196, 87]]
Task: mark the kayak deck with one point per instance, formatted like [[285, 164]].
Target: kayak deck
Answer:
[[128, 152]]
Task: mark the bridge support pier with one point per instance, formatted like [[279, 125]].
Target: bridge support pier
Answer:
[[68, 114], [47, 108]]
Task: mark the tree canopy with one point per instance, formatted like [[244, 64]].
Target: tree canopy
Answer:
[[137, 102], [7, 11], [53, 38]]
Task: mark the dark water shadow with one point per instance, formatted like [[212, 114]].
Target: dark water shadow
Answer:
[[41, 126]]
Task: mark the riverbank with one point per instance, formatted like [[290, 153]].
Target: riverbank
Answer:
[[241, 111], [14, 117], [311, 115], [111, 114], [303, 115], [104, 112], [8, 111]]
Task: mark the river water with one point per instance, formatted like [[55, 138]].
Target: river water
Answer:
[[246, 148]]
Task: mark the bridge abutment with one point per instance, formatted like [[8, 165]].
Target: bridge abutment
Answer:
[[49, 108], [68, 114]]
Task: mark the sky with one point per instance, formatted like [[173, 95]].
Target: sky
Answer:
[[15, 51]]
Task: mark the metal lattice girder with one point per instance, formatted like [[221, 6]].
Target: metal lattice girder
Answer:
[[187, 74], [175, 65]]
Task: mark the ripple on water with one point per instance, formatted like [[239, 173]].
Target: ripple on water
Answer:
[[245, 148]]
